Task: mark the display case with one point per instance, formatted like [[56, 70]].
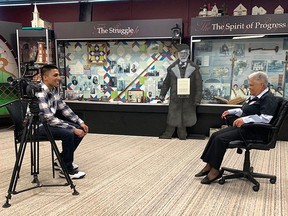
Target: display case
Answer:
[[114, 61], [228, 49], [36, 47]]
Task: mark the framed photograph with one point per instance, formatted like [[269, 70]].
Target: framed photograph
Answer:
[[121, 85], [198, 60], [275, 66], [204, 46], [97, 53], [239, 50], [113, 82], [135, 96], [259, 65]]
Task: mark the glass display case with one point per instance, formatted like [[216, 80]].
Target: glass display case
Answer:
[[226, 62], [116, 61], [228, 49], [111, 70], [35, 47]]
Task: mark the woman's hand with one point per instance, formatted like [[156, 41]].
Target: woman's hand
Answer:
[[238, 122], [224, 114]]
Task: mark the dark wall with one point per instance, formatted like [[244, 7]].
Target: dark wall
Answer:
[[7, 30], [131, 10]]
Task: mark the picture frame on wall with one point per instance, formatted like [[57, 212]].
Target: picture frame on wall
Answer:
[[97, 53], [135, 96]]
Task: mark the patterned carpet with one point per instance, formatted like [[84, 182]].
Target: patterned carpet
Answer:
[[134, 175]]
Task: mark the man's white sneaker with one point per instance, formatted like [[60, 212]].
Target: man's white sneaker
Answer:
[[73, 175], [58, 167]]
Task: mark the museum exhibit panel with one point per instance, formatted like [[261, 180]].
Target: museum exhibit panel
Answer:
[[114, 71], [228, 49], [115, 61]]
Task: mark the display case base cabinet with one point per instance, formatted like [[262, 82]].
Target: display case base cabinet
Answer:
[[148, 120]]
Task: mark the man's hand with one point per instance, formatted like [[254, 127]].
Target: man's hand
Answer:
[[82, 131], [238, 122], [79, 132], [84, 127]]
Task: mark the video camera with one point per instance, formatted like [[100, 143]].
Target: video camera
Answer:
[[26, 86]]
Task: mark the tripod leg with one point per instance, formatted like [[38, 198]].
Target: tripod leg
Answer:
[[35, 155], [18, 163], [63, 166]]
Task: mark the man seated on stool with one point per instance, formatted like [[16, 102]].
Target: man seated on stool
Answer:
[[69, 132], [182, 105], [260, 107]]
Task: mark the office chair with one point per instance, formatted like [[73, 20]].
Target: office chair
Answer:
[[17, 110], [247, 145]]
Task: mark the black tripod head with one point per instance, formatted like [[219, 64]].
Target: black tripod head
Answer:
[[34, 106]]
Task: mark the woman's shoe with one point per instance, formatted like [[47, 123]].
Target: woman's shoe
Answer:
[[202, 173], [206, 180]]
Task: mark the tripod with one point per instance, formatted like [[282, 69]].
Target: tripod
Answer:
[[30, 134]]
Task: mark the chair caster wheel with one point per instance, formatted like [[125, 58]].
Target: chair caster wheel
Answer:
[[221, 181], [256, 188], [273, 180]]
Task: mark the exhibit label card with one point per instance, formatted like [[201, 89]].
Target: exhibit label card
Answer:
[[183, 86]]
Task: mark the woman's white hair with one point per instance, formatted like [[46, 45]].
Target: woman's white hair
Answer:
[[259, 76]]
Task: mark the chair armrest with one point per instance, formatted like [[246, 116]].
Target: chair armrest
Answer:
[[230, 119], [264, 128], [256, 125]]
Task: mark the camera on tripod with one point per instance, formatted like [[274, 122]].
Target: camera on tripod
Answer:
[[26, 86]]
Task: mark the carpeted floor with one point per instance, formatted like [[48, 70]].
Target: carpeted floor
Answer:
[[134, 175]]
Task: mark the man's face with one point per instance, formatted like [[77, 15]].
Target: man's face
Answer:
[[255, 87], [52, 78], [183, 55]]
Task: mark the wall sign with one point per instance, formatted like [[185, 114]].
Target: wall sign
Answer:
[[158, 28], [235, 25]]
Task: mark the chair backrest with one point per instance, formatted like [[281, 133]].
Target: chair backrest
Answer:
[[281, 113], [276, 122], [17, 110]]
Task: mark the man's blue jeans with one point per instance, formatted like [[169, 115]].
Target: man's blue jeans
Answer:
[[70, 142]]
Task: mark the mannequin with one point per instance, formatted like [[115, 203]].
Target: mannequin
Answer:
[[182, 74]]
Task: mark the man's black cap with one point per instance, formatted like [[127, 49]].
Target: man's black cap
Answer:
[[181, 47]]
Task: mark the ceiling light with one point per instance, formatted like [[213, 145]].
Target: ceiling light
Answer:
[[63, 2], [104, 0], [248, 37], [10, 5]]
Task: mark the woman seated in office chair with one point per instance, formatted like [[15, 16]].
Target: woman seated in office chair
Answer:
[[259, 107]]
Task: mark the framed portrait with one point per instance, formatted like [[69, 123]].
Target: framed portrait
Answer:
[[97, 53]]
